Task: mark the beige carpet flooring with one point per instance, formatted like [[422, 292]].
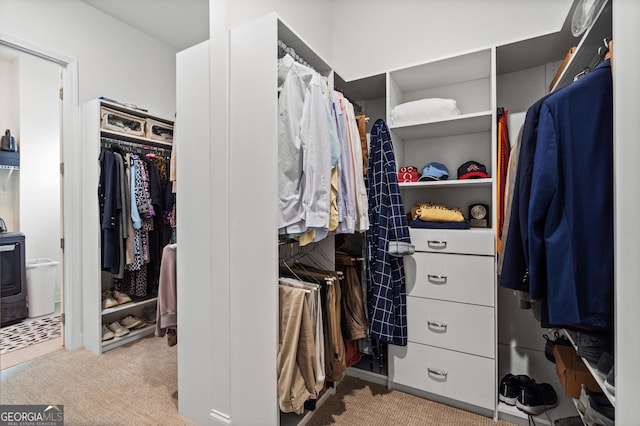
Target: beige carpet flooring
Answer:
[[357, 402], [135, 384]]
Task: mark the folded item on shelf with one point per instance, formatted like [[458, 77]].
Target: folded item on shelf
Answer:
[[423, 110], [408, 177], [427, 211], [405, 169], [417, 223]]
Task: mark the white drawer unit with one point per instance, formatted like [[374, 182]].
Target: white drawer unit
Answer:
[[450, 279], [451, 325], [459, 376], [460, 241], [459, 278]]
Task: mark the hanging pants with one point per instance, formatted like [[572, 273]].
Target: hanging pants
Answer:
[[296, 352]]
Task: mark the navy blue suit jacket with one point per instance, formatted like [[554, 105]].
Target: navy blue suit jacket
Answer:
[[515, 264], [571, 206]]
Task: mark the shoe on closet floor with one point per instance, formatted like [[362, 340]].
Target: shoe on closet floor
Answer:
[[121, 297], [510, 387], [172, 336], [609, 384], [601, 414], [587, 395], [569, 421], [604, 365], [108, 301], [591, 345], [149, 315], [132, 322], [106, 333], [117, 329], [536, 398]]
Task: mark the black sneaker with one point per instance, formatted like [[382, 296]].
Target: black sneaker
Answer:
[[536, 398], [510, 387], [601, 414], [604, 365]]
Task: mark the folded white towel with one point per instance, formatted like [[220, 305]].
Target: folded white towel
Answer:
[[423, 110]]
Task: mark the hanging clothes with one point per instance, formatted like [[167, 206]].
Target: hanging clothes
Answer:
[[503, 162], [304, 149], [132, 209], [320, 178], [331, 296], [386, 277], [362, 130], [108, 192], [296, 363], [346, 174], [515, 265], [167, 304], [571, 206], [354, 320]]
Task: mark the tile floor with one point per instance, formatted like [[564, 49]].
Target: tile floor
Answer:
[[25, 354]]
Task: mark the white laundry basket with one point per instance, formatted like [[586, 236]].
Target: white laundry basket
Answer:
[[41, 286]]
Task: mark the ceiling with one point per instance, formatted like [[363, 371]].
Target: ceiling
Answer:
[[176, 23]]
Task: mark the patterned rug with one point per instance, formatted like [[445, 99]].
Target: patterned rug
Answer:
[[29, 333]]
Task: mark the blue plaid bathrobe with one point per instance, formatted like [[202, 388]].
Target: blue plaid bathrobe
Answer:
[[385, 274]]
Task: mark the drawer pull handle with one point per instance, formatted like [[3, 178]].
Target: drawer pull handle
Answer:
[[439, 373], [439, 279], [439, 244], [436, 324]]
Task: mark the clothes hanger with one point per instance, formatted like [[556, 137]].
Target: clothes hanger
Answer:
[[296, 284], [601, 55]]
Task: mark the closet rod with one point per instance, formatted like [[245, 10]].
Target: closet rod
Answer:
[[291, 51], [109, 142]]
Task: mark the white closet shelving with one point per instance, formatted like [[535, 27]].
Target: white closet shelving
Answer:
[[254, 290], [451, 278], [521, 81], [462, 332], [95, 281]]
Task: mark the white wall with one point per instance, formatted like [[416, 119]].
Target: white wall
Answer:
[[114, 59], [40, 220], [9, 180], [311, 19], [373, 36]]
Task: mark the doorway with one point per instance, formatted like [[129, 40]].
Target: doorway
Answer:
[[31, 199]]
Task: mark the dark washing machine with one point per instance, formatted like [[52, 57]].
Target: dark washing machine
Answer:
[[13, 278]]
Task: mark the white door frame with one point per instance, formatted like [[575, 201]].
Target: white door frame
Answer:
[[72, 194]]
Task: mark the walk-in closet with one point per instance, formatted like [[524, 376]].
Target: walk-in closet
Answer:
[[462, 325], [128, 162], [421, 200]]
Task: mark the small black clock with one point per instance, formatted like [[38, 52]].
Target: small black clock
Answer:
[[479, 215]]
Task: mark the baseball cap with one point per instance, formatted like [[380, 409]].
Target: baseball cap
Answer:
[[434, 171], [472, 170]]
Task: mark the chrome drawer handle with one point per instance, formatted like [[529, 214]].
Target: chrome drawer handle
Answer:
[[437, 244], [442, 279], [437, 372], [11, 247], [436, 324]]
